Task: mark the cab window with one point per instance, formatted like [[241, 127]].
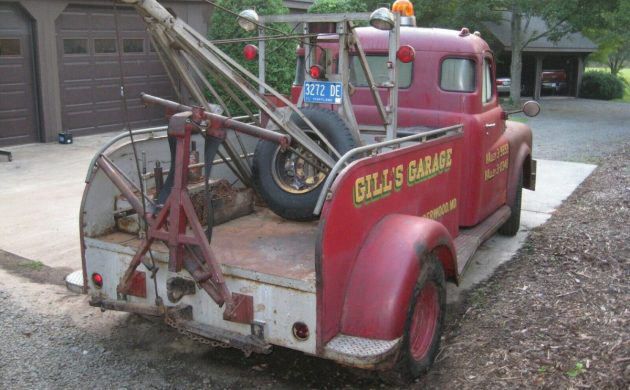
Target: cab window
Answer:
[[457, 74], [378, 67], [486, 91]]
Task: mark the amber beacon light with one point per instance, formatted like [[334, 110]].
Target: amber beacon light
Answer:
[[403, 7]]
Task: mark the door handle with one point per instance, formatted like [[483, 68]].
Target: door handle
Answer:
[[490, 125]]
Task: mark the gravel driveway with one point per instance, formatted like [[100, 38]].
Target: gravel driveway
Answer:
[[50, 338], [579, 130]]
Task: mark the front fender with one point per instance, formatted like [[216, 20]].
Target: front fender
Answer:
[[385, 273], [519, 137]]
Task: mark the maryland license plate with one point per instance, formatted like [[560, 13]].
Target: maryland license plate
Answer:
[[323, 92]]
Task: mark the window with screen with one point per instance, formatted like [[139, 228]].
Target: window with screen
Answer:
[[457, 74], [380, 72], [133, 45], [104, 46], [486, 93], [10, 47], [75, 46]]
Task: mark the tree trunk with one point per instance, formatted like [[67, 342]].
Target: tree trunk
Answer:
[[517, 55]]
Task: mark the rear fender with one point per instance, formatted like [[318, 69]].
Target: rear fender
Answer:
[[386, 271]]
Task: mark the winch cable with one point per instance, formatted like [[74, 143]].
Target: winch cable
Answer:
[[123, 95]]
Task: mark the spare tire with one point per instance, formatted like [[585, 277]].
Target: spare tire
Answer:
[[288, 184]]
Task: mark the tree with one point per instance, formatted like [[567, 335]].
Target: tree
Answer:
[[337, 6], [280, 54], [562, 17], [613, 37]]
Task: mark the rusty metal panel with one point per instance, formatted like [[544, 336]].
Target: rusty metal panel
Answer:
[[18, 110]]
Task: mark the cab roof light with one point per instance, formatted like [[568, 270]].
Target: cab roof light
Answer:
[[403, 7], [382, 19]]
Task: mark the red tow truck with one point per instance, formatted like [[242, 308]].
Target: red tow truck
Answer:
[[360, 279]]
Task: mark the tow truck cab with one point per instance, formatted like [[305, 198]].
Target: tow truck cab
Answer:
[[450, 81]]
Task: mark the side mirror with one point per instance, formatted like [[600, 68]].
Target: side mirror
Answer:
[[531, 108]]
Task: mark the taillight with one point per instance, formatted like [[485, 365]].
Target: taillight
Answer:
[[406, 54], [97, 279], [300, 331], [250, 52], [316, 72]]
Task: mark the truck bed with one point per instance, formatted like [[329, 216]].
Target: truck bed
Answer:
[[260, 246]]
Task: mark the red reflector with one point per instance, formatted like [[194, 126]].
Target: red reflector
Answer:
[[250, 52], [300, 331], [316, 71], [406, 54], [97, 279]]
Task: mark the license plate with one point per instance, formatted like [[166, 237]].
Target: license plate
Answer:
[[323, 92]]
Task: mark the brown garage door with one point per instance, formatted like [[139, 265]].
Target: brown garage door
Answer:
[[90, 73], [18, 115]]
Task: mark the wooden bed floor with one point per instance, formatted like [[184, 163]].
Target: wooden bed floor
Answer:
[[259, 242]]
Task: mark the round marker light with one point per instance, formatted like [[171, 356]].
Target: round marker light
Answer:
[[97, 279], [316, 72], [382, 19], [247, 19], [250, 52], [406, 54], [300, 331]]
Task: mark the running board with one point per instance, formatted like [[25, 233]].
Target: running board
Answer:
[[360, 352], [470, 239]]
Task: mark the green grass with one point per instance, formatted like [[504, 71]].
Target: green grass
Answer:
[[625, 73]]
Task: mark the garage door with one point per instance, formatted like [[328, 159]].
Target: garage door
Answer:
[[18, 115], [90, 73]]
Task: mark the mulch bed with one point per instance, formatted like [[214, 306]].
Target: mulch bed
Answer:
[[558, 314]]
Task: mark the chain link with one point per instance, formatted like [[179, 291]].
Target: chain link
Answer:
[[195, 337]]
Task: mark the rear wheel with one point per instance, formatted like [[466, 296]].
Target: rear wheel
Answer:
[[286, 181], [423, 327]]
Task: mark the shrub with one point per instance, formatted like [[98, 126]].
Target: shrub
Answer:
[[337, 6], [600, 85], [280, 54]]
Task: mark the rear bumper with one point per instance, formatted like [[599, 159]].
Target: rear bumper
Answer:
[[181, 317]]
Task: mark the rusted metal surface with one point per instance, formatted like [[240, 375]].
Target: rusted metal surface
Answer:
[[260, 242], [138, 286], [361, 352], [219, 121], [242, 310]]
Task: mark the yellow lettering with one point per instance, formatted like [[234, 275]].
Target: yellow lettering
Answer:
[[449, 161], [427, 166], [378, 186], [388, 183], [359, 191], [411, 172], [399, 176]]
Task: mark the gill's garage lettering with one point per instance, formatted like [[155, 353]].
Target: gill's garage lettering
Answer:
[[377, 185], [380, 184], [498, 159], [429, 166]]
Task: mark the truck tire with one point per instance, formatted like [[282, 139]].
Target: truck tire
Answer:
[[511, 226], [281, 177], [423, 327]]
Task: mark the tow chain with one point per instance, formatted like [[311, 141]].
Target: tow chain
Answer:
[[195, 337]]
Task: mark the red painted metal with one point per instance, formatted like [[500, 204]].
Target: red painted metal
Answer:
[[424, 321], [345, 226], [138, 286], [389, 262]]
